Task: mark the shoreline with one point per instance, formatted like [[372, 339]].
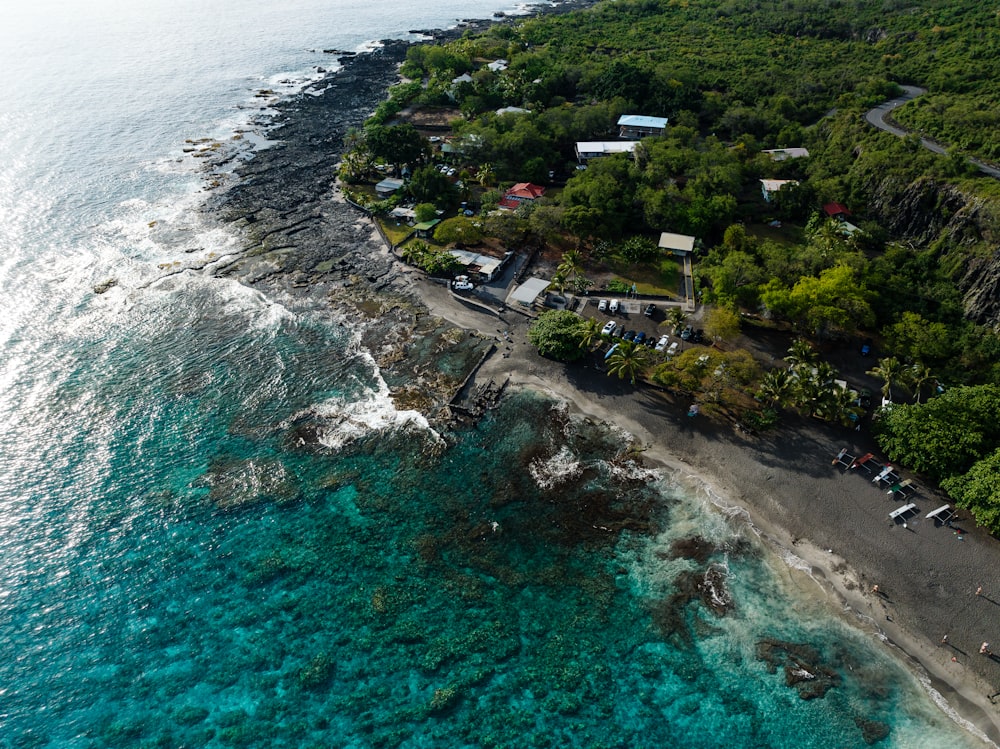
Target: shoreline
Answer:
[[285, 205], [769, 505]]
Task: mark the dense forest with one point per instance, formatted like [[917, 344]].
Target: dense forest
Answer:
[[917, 267]]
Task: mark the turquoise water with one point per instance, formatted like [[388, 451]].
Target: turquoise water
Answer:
[[217, 531]]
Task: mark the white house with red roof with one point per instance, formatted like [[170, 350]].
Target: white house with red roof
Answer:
[[520, 193]]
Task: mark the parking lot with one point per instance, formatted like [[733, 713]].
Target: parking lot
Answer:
[[630, 318]]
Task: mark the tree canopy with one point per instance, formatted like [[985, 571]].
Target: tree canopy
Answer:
[[559, 334]]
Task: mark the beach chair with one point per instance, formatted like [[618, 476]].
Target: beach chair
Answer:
[[943, 515], [842, 458]]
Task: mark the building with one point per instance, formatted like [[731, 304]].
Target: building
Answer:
[[770, 186], [498, 66], [679, 244], [512, 110], [636, 126], [587, 150], [481, 268], [520, 193], [426, 228], [836, 210], [783, 154], [529, 291], [387, 187]]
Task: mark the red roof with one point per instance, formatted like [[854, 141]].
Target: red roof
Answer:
[[520, 192], [835, 209]]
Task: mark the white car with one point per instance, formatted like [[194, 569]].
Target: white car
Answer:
[[609, 328], [602, 306], [662, 343], [673, 348], [614, 306]]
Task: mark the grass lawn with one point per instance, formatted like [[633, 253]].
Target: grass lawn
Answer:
[[786, 234], [395, 233], [658, 278]]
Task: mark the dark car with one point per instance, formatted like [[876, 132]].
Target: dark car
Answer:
[[650, 310], [865, 398], [866, 347], [640, 337], [699, 336], [687, 333], [629, 335]]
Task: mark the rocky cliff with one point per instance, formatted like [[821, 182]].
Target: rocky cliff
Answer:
[[964, 228]]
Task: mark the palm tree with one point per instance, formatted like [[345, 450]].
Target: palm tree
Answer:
[[559, 281], [801, 355], [412, 252], [919, 376], [676, 316], [591, 333], [775, 387], [485, 175], [628, 360], [891, 372]]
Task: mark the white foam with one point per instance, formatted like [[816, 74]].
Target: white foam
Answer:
[[549, 473], [938, 699]]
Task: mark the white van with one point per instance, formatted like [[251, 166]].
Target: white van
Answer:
[[613, 307]]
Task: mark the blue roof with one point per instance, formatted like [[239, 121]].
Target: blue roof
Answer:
[[639, 120]]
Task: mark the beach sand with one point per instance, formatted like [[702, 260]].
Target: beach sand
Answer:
[[836, 522]]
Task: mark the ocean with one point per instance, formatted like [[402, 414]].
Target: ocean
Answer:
[[178, 570]]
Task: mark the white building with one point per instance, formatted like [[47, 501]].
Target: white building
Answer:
[[586, 150]]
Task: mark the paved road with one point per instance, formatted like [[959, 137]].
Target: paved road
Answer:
[[876, 116]]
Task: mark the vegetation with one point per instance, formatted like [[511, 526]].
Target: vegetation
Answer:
[[559, 334]]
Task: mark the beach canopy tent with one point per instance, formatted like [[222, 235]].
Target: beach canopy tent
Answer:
[[904, 510], [942, 513], [528, 291]]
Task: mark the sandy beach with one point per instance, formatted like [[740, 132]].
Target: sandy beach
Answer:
[[835, 521]]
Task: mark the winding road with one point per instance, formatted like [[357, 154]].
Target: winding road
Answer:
[[876, 116]]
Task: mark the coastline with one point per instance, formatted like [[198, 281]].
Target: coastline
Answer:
[[801, 506], [286, 206]]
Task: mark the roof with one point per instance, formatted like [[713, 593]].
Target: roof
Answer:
[[497, 65], [773, 185], [464, 78], [640, 120], [676, 242], [605, 146], [427, 225], [487, 263], [526, 190], [513, 110], [835, 209], [780, 154], [528, 291], [388, 185]]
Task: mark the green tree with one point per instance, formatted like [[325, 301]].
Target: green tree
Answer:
[[891, 371], [628, 361], [558, 334], [918, 377], [397, 144], [775, 387], [428, 185], [917, 339], [722, 324], [978, 491], [591, 333], [425, 212], [801, 355], [458, 230]]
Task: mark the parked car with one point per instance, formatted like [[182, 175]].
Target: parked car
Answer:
[[866, 347], [463, 286], [629, 335], [699, 336], [614, 306], [687, 333], [673, 348], [602, 306], [865, 398], [640, 337], [609, 328], [662, 343], [650, 310]]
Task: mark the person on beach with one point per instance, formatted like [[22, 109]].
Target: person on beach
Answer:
[[979, 590], [984, 649], [875, 590]]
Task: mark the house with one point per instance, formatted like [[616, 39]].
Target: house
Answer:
[[836, 210], [520, 193], [482, 268], [464, 78], [636, 126], [783, 154], [586, 150], [498, 66], [679, 244], [425, 229], [387, 187], [529, 291], [770, 186]]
